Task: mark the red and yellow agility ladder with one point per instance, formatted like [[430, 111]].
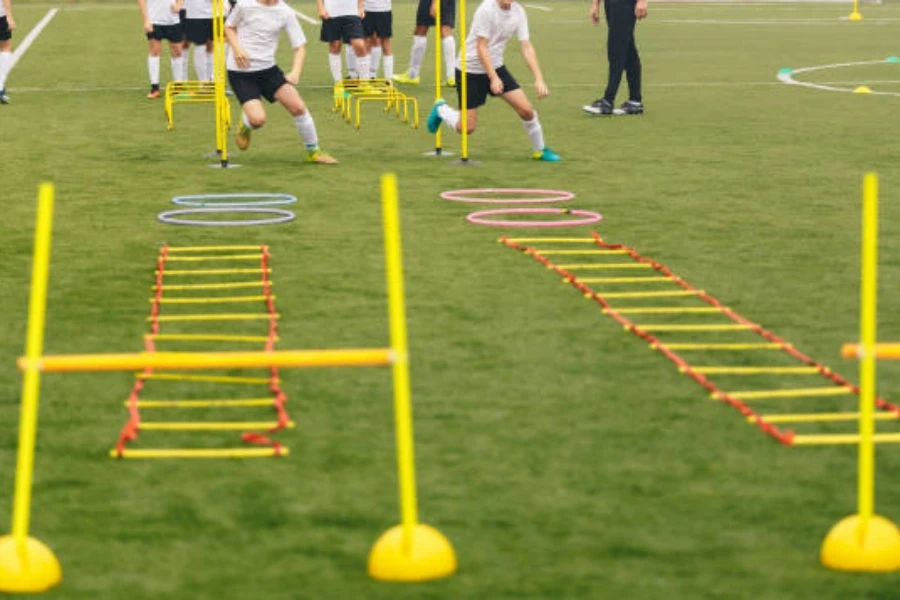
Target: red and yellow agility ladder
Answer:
[[223, 283], [672, 296]]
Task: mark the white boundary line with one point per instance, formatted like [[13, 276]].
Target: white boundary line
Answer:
[[32, 35], [306, 18], [788, 77], [539, 7]]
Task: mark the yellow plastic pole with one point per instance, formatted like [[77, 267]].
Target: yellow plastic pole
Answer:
[[464, 84], [438, 51], [855, 15], [26, 565], [868, 324], [223, 109]]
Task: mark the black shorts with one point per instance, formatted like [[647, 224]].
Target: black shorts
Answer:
[[173, 33], [198, 31], [380, 24], [250, 85], [478, 87], [5, 33], [346, 28], [448, 14]]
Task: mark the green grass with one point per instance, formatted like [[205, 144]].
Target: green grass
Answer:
[[562, 458]]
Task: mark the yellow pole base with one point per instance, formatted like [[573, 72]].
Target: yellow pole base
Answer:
[[855, 16], [863, 89], [31, 568], [877, 551], [431, 556]]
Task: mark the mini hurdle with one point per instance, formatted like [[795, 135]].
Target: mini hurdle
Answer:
[[410, 551]]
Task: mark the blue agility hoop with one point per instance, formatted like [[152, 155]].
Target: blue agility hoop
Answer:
[[172, 217], [240, 200]]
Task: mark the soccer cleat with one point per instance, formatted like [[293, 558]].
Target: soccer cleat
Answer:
[[405, 78], [632, 107], [599, 107], [154, 94], [242, 139], [4, 99], [547, 155], [434, 117], [320, 158], [451, 82]]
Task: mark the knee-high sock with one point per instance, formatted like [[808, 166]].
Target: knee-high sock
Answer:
[[210, 72], [307, 129], [388, 63], [247, 122], [334, 61], [449, 47], [352, 64], [362, 65], [5, 61], [449, 115], [535, 133], [420, 42], [153, 69], [374, 59], [177, 68], [200, 63]]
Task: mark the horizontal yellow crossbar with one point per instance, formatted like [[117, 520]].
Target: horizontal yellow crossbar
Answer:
[[176, 249], [886, 351], [736, 347], [618, 279], [820, 417], [253, 257], [756, 370], [211, 300], [843, 438], [240, 402], [203, 337], [211, 426], [211, 360], [663, 294], [206, 378], [661, 310], [223, 317], [600, 266], [213, 286], [181, 272], [793, 393], [552, 240], [571, 252], [713, 327], [203, 453]]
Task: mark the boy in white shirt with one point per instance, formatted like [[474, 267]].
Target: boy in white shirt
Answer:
[[161, 22], [378, 27], [342, 23], [252, 29], [494, 23], [198, 30], [7, 25]]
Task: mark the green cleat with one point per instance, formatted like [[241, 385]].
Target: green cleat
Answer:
[[405, 78], [547, 155]]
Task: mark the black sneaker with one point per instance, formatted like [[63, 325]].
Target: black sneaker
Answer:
[[632, 107], [4, 99], [599, 107]]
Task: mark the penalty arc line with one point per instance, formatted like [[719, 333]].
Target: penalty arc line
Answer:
[[32, 35]]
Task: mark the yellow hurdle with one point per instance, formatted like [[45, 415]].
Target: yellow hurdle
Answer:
[[820, 392], [202, 337], [210, 426], [213, 286], [820, 417], [618, 279], [543, 252], [177, 249], [182, 272], [719, 347], [601, 266], [665, 294], [223, 317], [662, 310], [211, 300], [206, 378], [756, 370], [207, 453], [240, 402], [250, 257], [713, 327]]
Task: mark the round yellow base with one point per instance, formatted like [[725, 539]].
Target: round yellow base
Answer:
[[31, 568], [855, 16], [431, 556], [877, 551]]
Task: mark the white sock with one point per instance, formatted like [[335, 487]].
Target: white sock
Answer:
[[535, 133], [210, 73], [449, 44], [449, 115], [374, 59], [247, 121], [388, 67], [307, 129], [200, 64], [352, 66], [5, 60], [420, 42], [334, 61], [362, 64], [153, 69], [177, 68]]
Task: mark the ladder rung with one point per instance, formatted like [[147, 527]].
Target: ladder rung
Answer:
[[203, 453], [661, 310], [211, 300], [793, 393], [207, 378], [223, 317], [552, 240], [663, 294], [253, 257], [821, 417], [756, 370], [652, 278], [210, 426], [543, 252], [240, 402], [203, 337], [713, 327], [213, 286], [842, 438], [177, 249], [600, 266], [737, 347], [180, 272]]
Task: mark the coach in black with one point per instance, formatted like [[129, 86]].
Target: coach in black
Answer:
[[621, 17]]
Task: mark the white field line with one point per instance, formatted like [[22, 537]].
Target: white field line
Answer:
[[539, 7], [32, 35], [306, 18], [788, 78]]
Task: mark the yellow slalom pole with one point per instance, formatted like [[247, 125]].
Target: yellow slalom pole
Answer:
[[27, 565], [464, 84], [438, 50], [855, 15], [410, 551]]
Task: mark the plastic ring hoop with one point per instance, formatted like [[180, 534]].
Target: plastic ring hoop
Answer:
[[589, 217], [172, 217], [234, 200], [532, 196]]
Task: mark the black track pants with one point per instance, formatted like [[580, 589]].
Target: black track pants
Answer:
[[621, 49]]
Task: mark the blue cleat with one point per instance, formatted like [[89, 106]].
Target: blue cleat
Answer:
[[434, 119], [547, 155]]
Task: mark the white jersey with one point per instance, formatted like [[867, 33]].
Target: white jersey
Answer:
[[198, 9], [378, 6], [342, 8], [496, 26], [160, 12], [258, 27]]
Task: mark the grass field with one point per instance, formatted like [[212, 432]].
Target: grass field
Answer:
[[561, 457]]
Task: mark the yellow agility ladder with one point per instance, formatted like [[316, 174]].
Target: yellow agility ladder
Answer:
[[668, 309]]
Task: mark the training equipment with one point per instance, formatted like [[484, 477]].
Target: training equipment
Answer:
[[540, 196], [172, 217], [589, 217], [350, 94], [234, 200]]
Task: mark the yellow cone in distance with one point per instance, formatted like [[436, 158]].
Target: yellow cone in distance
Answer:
[[855, 16], [28, 568], [430, 555], [876, 550], [863, 89]]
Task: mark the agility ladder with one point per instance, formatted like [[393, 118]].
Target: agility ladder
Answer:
[[169, 280], [614, 272]]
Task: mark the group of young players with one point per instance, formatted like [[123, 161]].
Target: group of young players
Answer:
[[252, 29]]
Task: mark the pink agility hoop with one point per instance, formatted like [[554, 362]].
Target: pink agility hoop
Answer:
[[532, 196], [589, 217]]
